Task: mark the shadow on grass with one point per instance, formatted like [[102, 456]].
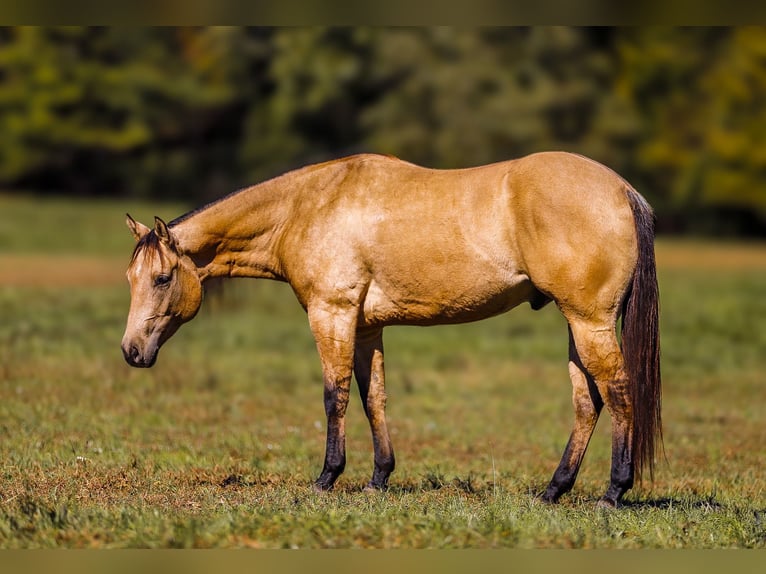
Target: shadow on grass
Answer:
[[669, 502], [474, 486]]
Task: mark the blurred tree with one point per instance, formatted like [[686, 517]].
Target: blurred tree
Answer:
[[701, 95], [102, 110], [319, 82], [195, 112], [437, 96], [469, 96]]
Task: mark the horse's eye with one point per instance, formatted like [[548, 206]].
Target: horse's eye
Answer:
[[161, 280]]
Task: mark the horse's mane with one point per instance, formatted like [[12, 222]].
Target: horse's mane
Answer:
[[187, 215]]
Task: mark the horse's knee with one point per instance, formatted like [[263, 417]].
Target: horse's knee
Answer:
[[336, 397]]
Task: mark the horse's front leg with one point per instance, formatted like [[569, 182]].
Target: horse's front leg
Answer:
[[333, 331], [369, 373]]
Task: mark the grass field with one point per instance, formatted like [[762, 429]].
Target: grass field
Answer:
[[217, 445]]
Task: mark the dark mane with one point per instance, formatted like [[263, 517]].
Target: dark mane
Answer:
[[193, 212], [308, 168], [149, 243]]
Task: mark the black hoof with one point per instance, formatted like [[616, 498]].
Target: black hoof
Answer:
[[548, 497]]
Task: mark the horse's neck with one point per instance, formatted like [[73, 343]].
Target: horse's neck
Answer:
[[235, 237]]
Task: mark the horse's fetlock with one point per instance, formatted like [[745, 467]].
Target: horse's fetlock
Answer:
[[549, 496]]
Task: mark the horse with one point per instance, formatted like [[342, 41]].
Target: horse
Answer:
[[369, 241]]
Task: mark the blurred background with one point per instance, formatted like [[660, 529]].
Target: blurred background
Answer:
[[227, 430], [189, 114]]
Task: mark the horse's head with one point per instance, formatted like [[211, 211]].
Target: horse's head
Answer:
[[165, 292]]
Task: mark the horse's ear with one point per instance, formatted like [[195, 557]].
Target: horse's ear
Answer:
[[162, 231], [137, 229]]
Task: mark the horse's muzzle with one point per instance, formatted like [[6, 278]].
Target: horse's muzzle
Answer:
[[135, 358]]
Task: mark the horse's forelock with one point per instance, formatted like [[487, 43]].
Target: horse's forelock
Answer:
[[148, 244]]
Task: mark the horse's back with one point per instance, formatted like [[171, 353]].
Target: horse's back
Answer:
[[551, 206]]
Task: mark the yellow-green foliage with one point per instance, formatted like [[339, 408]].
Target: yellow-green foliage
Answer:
[[196, 112]]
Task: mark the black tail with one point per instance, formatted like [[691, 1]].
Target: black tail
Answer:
[[641, 341]]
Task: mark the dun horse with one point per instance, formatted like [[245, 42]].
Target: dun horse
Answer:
[[370, 241]]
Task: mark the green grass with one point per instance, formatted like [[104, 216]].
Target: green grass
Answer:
[[218, 444], [63, 225]]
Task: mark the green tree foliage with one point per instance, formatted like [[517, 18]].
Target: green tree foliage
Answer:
[[195, 112], [437, 96], [466, 97], [318, 82], [99, 110], [701, 96]]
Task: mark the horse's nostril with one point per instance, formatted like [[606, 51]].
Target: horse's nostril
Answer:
[[131, 354]]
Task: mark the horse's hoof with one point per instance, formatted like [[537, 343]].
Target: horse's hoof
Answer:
[[372, 487], [606, 503], [546, 499], [320, 489]]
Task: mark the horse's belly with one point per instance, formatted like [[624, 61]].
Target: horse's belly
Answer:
[[434, 304]]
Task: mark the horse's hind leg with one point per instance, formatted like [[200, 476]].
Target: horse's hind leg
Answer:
[[599, 353], [368, 369], [587, 404]]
